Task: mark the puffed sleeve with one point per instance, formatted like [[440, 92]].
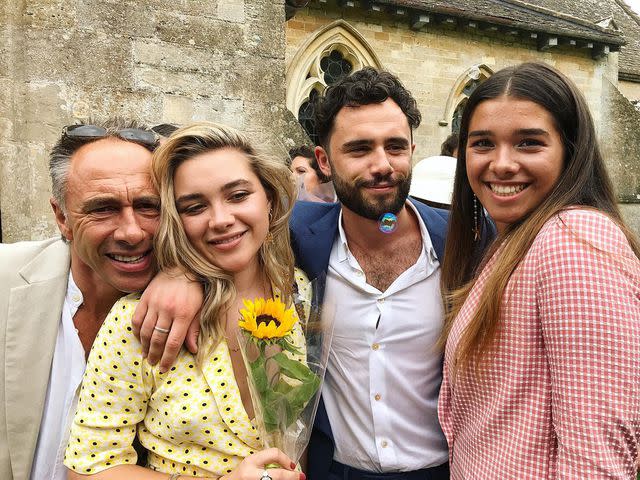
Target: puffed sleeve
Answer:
[[113, 398], [588, 292]]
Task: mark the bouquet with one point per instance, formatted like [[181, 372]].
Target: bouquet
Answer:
[[285, 350]]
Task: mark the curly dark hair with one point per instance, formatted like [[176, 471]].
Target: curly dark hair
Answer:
[[363, 87]]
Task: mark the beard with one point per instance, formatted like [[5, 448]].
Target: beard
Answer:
[[354, 197]]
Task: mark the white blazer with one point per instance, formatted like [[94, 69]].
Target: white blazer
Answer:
[[33, 284]]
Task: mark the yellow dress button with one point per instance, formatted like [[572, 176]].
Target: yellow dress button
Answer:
[[375, 346], [377, 397], [384, 444]]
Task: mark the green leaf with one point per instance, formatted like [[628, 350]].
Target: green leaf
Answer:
[[292, 368], [259, 374]]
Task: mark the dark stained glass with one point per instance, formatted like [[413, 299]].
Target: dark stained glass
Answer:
[[306, 116], [457, 117], [471, 86], [335, 67]]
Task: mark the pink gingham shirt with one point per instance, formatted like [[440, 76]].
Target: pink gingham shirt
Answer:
[[560, 398]]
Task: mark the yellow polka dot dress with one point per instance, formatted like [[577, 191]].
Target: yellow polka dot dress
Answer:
[[191, 420]]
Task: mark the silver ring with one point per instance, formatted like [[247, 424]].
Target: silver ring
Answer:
[[160, 329], [266, 476]]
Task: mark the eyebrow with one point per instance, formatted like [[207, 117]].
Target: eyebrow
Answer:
[[364, 143], [225, 188], [189, 198], [236, 183], [522, 131], [146, 200], [98, 202], [355, 144]]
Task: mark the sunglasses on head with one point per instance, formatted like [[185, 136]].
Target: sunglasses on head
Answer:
[[138, 135]]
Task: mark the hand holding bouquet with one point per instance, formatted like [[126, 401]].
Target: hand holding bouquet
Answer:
[[285, 360]]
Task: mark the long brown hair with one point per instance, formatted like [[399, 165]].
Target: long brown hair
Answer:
[[583, 182], [172, 246]]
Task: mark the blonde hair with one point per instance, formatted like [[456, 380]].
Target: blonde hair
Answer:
[[172, 247]]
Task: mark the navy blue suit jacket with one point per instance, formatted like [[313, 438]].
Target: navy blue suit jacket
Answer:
[[314, 227]]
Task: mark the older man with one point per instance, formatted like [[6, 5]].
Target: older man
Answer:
[[55, 294]]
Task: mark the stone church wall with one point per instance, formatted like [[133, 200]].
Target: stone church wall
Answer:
[[155, 60], [631, 90], [430, 61]]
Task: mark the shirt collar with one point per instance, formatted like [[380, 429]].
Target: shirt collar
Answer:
[[74, 295], [427, 245]]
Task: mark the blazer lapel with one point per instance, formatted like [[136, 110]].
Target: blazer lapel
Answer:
[[32, 324], [316, 243], [436, 223]]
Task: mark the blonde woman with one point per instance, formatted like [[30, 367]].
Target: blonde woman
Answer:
[[542, 364], [224, 220]]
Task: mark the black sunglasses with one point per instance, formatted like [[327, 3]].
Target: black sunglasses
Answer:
[[138, 135]]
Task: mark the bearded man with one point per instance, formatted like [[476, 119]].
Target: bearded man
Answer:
[[381, 254]]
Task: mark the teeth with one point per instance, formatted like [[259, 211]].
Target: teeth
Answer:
[[506, 190], [227, 240], [122, 258]]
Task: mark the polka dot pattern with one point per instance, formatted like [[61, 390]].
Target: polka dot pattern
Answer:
[[190, 419]]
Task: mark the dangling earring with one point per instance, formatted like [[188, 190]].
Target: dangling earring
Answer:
[[269, 237], [476, 225]]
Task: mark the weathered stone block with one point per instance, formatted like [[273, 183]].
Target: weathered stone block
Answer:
[[43, 113], [263, 41], [159, 80], [76, 57], [232, 10], [228, 111], [54, 14], [124, 17], [177, 109], [621, 143], [631, 215], [201, 32], [24, 200], [199, 8], [176, 57]]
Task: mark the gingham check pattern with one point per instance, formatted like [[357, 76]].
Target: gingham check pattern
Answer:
[[560, 396]]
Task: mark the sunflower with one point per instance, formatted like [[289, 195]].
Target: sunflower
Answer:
[[267, 319]]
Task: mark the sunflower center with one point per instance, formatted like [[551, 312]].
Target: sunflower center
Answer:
[[266, 319]]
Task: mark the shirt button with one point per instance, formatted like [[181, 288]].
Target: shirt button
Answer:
[[381, 300], [384, 444], [375, 346], [377, 397], [76, 298]]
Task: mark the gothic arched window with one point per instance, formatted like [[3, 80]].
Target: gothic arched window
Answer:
[[327, 56], [462, 90]]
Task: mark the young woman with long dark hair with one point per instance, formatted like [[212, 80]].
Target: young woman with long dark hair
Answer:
[[542, 359]]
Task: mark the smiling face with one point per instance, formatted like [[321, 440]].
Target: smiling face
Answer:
[[111, 214], [224, 208], [514, 157], [369, 158]]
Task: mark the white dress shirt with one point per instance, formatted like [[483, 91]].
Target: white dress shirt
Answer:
[[67, 370], [384, 372]]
